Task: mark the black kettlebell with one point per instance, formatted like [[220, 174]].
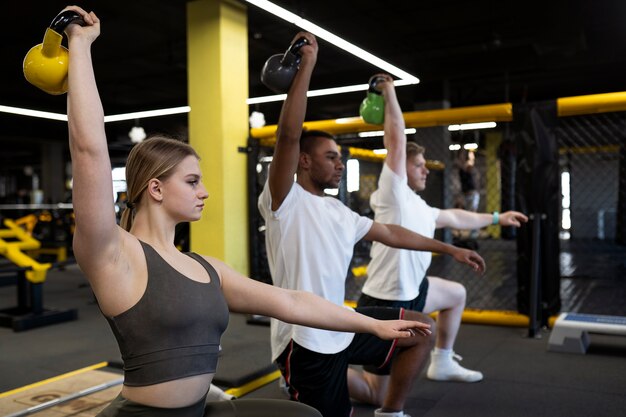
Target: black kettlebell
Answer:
[[280, 69], [45, 65]]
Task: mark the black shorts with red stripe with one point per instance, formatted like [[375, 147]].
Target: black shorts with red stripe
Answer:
[[320, 380]]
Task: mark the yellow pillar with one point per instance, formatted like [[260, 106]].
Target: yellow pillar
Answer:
[[494, 189], [217, 69]]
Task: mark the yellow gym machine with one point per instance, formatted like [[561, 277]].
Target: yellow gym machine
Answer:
[[30, 277]]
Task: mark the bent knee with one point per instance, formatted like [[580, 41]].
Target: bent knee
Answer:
[[458, 292], [416, 315], [424, 318]]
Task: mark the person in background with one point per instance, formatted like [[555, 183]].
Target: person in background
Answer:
[[468, 177]]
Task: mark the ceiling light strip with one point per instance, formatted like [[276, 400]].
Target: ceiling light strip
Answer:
[[405, 77], [320, 92], [471, 126], [146, 114], [374, 133], [33, 113], [310, 93], [333, 39], [356, 51], [112, 118]]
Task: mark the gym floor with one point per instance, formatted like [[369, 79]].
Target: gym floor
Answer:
[[522, 378]]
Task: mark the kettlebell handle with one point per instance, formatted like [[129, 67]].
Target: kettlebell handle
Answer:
[[373, 84], [291, 54], [63, 19], [54, 34]]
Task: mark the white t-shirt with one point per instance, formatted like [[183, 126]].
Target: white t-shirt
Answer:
[[396, 274], [310, 242]]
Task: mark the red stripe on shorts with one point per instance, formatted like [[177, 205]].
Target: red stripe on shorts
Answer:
[[393, 345]]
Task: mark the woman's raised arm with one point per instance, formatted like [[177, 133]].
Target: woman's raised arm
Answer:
[[96, 230]]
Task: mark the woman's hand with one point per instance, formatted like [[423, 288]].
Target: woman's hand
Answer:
[[88, 31], [400, 329]]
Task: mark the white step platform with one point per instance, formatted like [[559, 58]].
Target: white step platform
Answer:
[[570, 331]]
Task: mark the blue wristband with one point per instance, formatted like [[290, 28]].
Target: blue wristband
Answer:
[[496, 218]]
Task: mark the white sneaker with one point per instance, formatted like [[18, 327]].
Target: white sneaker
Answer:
[[284, 388], [379, 413], [217, 394], [444, 367]]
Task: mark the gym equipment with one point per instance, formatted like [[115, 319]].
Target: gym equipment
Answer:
[[13, 251], [52, 225], [372, 108], [45, 65], [570, 331], [279, 70], [31, 276], [215, 394], [537, 179], [43, 406]]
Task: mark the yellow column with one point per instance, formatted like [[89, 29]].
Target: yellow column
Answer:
[[217, 69], [494, 189]]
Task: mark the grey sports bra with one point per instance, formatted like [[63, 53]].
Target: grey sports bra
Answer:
[[174, 330]]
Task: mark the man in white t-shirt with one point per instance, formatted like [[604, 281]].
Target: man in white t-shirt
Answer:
[[397, 277], [309, 240]]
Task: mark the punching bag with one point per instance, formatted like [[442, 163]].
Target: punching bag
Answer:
[[537, 194]]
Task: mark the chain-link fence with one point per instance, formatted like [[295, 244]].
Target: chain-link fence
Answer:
[[592, 151], [592, 230]]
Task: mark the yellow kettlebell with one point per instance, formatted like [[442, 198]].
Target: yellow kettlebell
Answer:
[[46, 64]]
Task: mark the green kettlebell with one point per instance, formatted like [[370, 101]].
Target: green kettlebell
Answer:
[[372, 108]]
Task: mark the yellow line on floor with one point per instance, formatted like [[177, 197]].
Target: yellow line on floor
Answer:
[[253, 385], [486, 317], [56, 378]]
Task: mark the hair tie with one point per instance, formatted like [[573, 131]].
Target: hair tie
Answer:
[[130, 205]]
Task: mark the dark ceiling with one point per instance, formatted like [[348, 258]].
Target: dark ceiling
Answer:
[[464, 52]]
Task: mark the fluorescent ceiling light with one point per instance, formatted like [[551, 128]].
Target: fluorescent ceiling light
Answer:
[[405, 77], [344, 120], [467, 146], [470, 126], [266, 99], [113, 118], [353, 175], [33, 113], [321, 92], [146, 114], [333, 39], [408, 131]]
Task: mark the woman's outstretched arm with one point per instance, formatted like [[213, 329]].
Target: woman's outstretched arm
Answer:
[[245, 295]]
